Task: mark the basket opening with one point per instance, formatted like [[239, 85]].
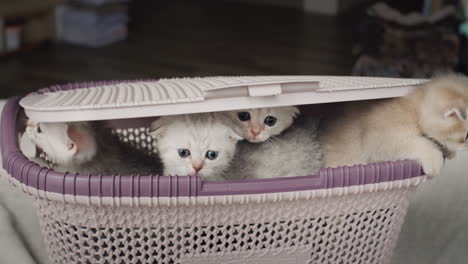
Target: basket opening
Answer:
[[116, 184], [134, 134]]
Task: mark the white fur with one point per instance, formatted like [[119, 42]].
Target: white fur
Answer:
[[198, 133], [54, 139], [85, 148], [27, 146], [284, 115]]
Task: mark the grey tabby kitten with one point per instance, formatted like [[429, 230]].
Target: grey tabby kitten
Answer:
[[295, 152]]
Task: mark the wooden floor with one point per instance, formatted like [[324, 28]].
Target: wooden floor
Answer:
[[183, 38]]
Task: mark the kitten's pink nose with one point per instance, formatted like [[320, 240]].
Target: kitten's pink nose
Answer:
[[255, 132], [197, 166]]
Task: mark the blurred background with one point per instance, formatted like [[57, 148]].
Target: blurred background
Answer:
[[57, 41]]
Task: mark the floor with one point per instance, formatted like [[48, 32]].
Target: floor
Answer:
[[184, 38]]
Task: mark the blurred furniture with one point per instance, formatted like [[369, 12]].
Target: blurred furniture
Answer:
[[331, 7], [392, 44], [93, 23], [328, 7], [34, 19]]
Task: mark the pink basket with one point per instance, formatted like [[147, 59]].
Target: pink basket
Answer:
[[341, 215]]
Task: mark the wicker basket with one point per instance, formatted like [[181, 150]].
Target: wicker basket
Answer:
[[341, 215]]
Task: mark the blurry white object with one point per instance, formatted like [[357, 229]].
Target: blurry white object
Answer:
[[12, 37], [90, 27]]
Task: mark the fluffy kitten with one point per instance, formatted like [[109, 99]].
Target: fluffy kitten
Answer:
[[296, 152], [85, 148], [427, 125], [194, 144], [258, 125]]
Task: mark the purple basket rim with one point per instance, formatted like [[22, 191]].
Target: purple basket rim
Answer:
[[44, 179]]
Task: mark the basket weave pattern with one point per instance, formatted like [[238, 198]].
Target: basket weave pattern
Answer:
[[353, 228]]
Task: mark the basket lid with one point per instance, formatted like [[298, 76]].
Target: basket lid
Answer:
[[208, 94]]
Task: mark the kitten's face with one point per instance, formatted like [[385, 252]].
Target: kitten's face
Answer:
[[62, 142], [258, 125], [444, 113], [189, 147], [454, 130]]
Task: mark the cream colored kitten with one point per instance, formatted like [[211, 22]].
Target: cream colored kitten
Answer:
[[258, 125], [427, 125], [194, 144]]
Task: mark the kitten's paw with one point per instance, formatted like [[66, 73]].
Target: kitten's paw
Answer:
[[432, 163]]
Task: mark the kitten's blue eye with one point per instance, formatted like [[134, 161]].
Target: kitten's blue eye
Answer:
[[270, 120], [183, 153], [243, 116], [211, 154]]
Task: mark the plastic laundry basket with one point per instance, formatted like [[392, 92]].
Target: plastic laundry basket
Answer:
[[341, 215]]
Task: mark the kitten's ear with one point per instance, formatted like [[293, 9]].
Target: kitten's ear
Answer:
[[157, 128], [295, 111], [455, 112], [79, 139]]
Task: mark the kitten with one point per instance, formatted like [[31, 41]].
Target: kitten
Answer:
[[85, 148], [57, 140], [296, 152], [258, 125], [194, 144], [427, 125]]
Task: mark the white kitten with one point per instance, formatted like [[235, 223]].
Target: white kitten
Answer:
[[296, 152], [427, 125], [258, 125], [194, 144], [85, 148], [58, 141]]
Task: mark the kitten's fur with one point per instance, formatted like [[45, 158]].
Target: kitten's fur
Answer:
[[87, 148], [296, 152], [284, 115], [198, 133], [401, 128]]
